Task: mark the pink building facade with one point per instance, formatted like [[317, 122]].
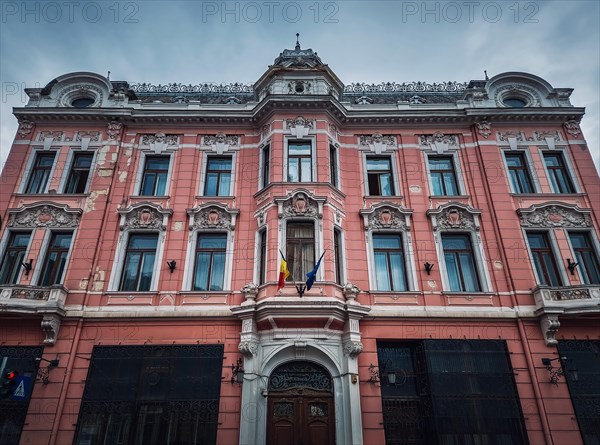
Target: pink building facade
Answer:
[[142, 230]]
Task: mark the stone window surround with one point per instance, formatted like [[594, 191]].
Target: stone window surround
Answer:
[[395, 172], [529, 165], [29, 166], [4, 242], [203, 165], [41, 258], [593, 236], [69, 163], [313, 156], [460, 184], [568, 166], [560, 264], [142, 166]]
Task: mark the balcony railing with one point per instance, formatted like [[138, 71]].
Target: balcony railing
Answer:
[[567, 299]]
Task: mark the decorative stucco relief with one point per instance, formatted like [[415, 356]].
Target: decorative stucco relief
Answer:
[[221, 142], [44, 215], [386, 216], [212, 216], [554, 215], [378, 143], [454, 216], [144, 216]]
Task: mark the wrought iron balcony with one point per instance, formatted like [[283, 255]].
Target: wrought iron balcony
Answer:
[[46, 301]]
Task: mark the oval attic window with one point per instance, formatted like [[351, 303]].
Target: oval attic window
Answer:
[[513, 102], [82, 102]]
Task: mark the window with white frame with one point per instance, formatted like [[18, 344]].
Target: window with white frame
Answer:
[[300, 249], [79, 172], [333, 166], [338, 256], [442, 175], [55, 260], [459, 261], [209, 262], [14, 256], [155, 175], [518, 172], [138, 266], [218, 176], [265, 166], [41, 169], [262, 256], [299, 161], [586, 256], [558, 172], [544, 258], [380, 177], [388, 254]]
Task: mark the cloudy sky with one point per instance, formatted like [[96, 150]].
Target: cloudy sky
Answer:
[[194, 41]]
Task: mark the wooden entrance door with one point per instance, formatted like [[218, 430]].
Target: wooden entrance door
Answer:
[[300, 408]]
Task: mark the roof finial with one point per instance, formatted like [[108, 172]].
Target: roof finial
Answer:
[[108, 76], [297, 41], [486, 76]]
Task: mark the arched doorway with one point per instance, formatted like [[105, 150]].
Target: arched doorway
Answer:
[[300, 408]]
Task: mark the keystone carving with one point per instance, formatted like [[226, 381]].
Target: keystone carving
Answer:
[[248, 348], [114, 129], [484, 128], [353, 348], [50, 327], [550, 324]]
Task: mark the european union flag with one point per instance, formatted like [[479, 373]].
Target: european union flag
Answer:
[[311, 275]]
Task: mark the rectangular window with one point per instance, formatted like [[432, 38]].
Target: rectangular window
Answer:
[[379, 177], [443, 177], [218, 177], [333, 177], [56, 258], [79, 174], [266, 166], [300, 248], [40, 173], [543, 259], [138, 267], [460, 263], [337, 248], [518, 172], [262, 257], [389, 262], [558, 174], [449, 392], [583, 377], [299, 161], [209, 271], [154, 178], [151, 395], [586, 257], [14, 257]]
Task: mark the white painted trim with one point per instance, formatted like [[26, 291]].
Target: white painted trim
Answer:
[[337, 164], [41, 259], [458, 174], [261, 160], [595, 246], [313, 157], [553, 247], [29, 168], [4, 243], [408, 254], [204, 165], [343, 264], [318, 236], [395, 174], [190, 258], [69, 163], [142, 167], [529, 165], [258, 255], [568, 166]]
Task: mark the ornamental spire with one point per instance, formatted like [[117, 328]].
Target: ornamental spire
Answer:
[[297, 41]]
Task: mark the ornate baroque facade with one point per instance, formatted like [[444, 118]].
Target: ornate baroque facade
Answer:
[[142, 229]]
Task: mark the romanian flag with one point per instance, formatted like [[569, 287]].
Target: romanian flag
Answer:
[[283, 274]]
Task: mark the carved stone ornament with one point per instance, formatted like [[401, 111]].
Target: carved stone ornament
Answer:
[[549, 324], [351, 291], [300, 205], [248, 348], [50, 327], [353, 348], [221, 142], [300, 126], [80, 90], [364, 100], [160, 142], [265, 131], [570, 294], [94, 136], [44, 215], [378, 143], [114, 129], [25, 128], [572, 127], [543, 135], [250, 291], [212, 216], [439, 141], [523, 92], [484, 128], [416, 100], [299, 87], [21, 293], [504, 136], [144, 216], [385, 217], [454, 216], [554, 215], [53, 135]]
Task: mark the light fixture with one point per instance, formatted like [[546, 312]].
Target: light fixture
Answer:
[[391, 377], [44, 373], [557, 372], [374, 370], [27, 267], [571, 266], [237, 372], [428, 267], [172, 265]]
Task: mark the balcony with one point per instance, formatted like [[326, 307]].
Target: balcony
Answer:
[[46, 301], [554, 302]]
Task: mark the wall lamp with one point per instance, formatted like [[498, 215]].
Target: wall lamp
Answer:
[[428, 267], [237, 372], [571, 266], [27, 267], [44, 373], [172, 265], [560, 371]]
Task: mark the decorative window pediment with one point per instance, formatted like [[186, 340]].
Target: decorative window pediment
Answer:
[[300, 127], [439, 142], [454, 215], [554, 214], [220, 143], [378, 143], [212, 215], [44, 214], [386, 216], [159, 142], [300, 203], [144, 215]]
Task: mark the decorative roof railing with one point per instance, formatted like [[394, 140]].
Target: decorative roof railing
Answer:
[[202, 88], [406, 87]]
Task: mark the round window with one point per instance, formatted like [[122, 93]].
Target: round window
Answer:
[[82, 102], [513, 102], [299, 88]]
